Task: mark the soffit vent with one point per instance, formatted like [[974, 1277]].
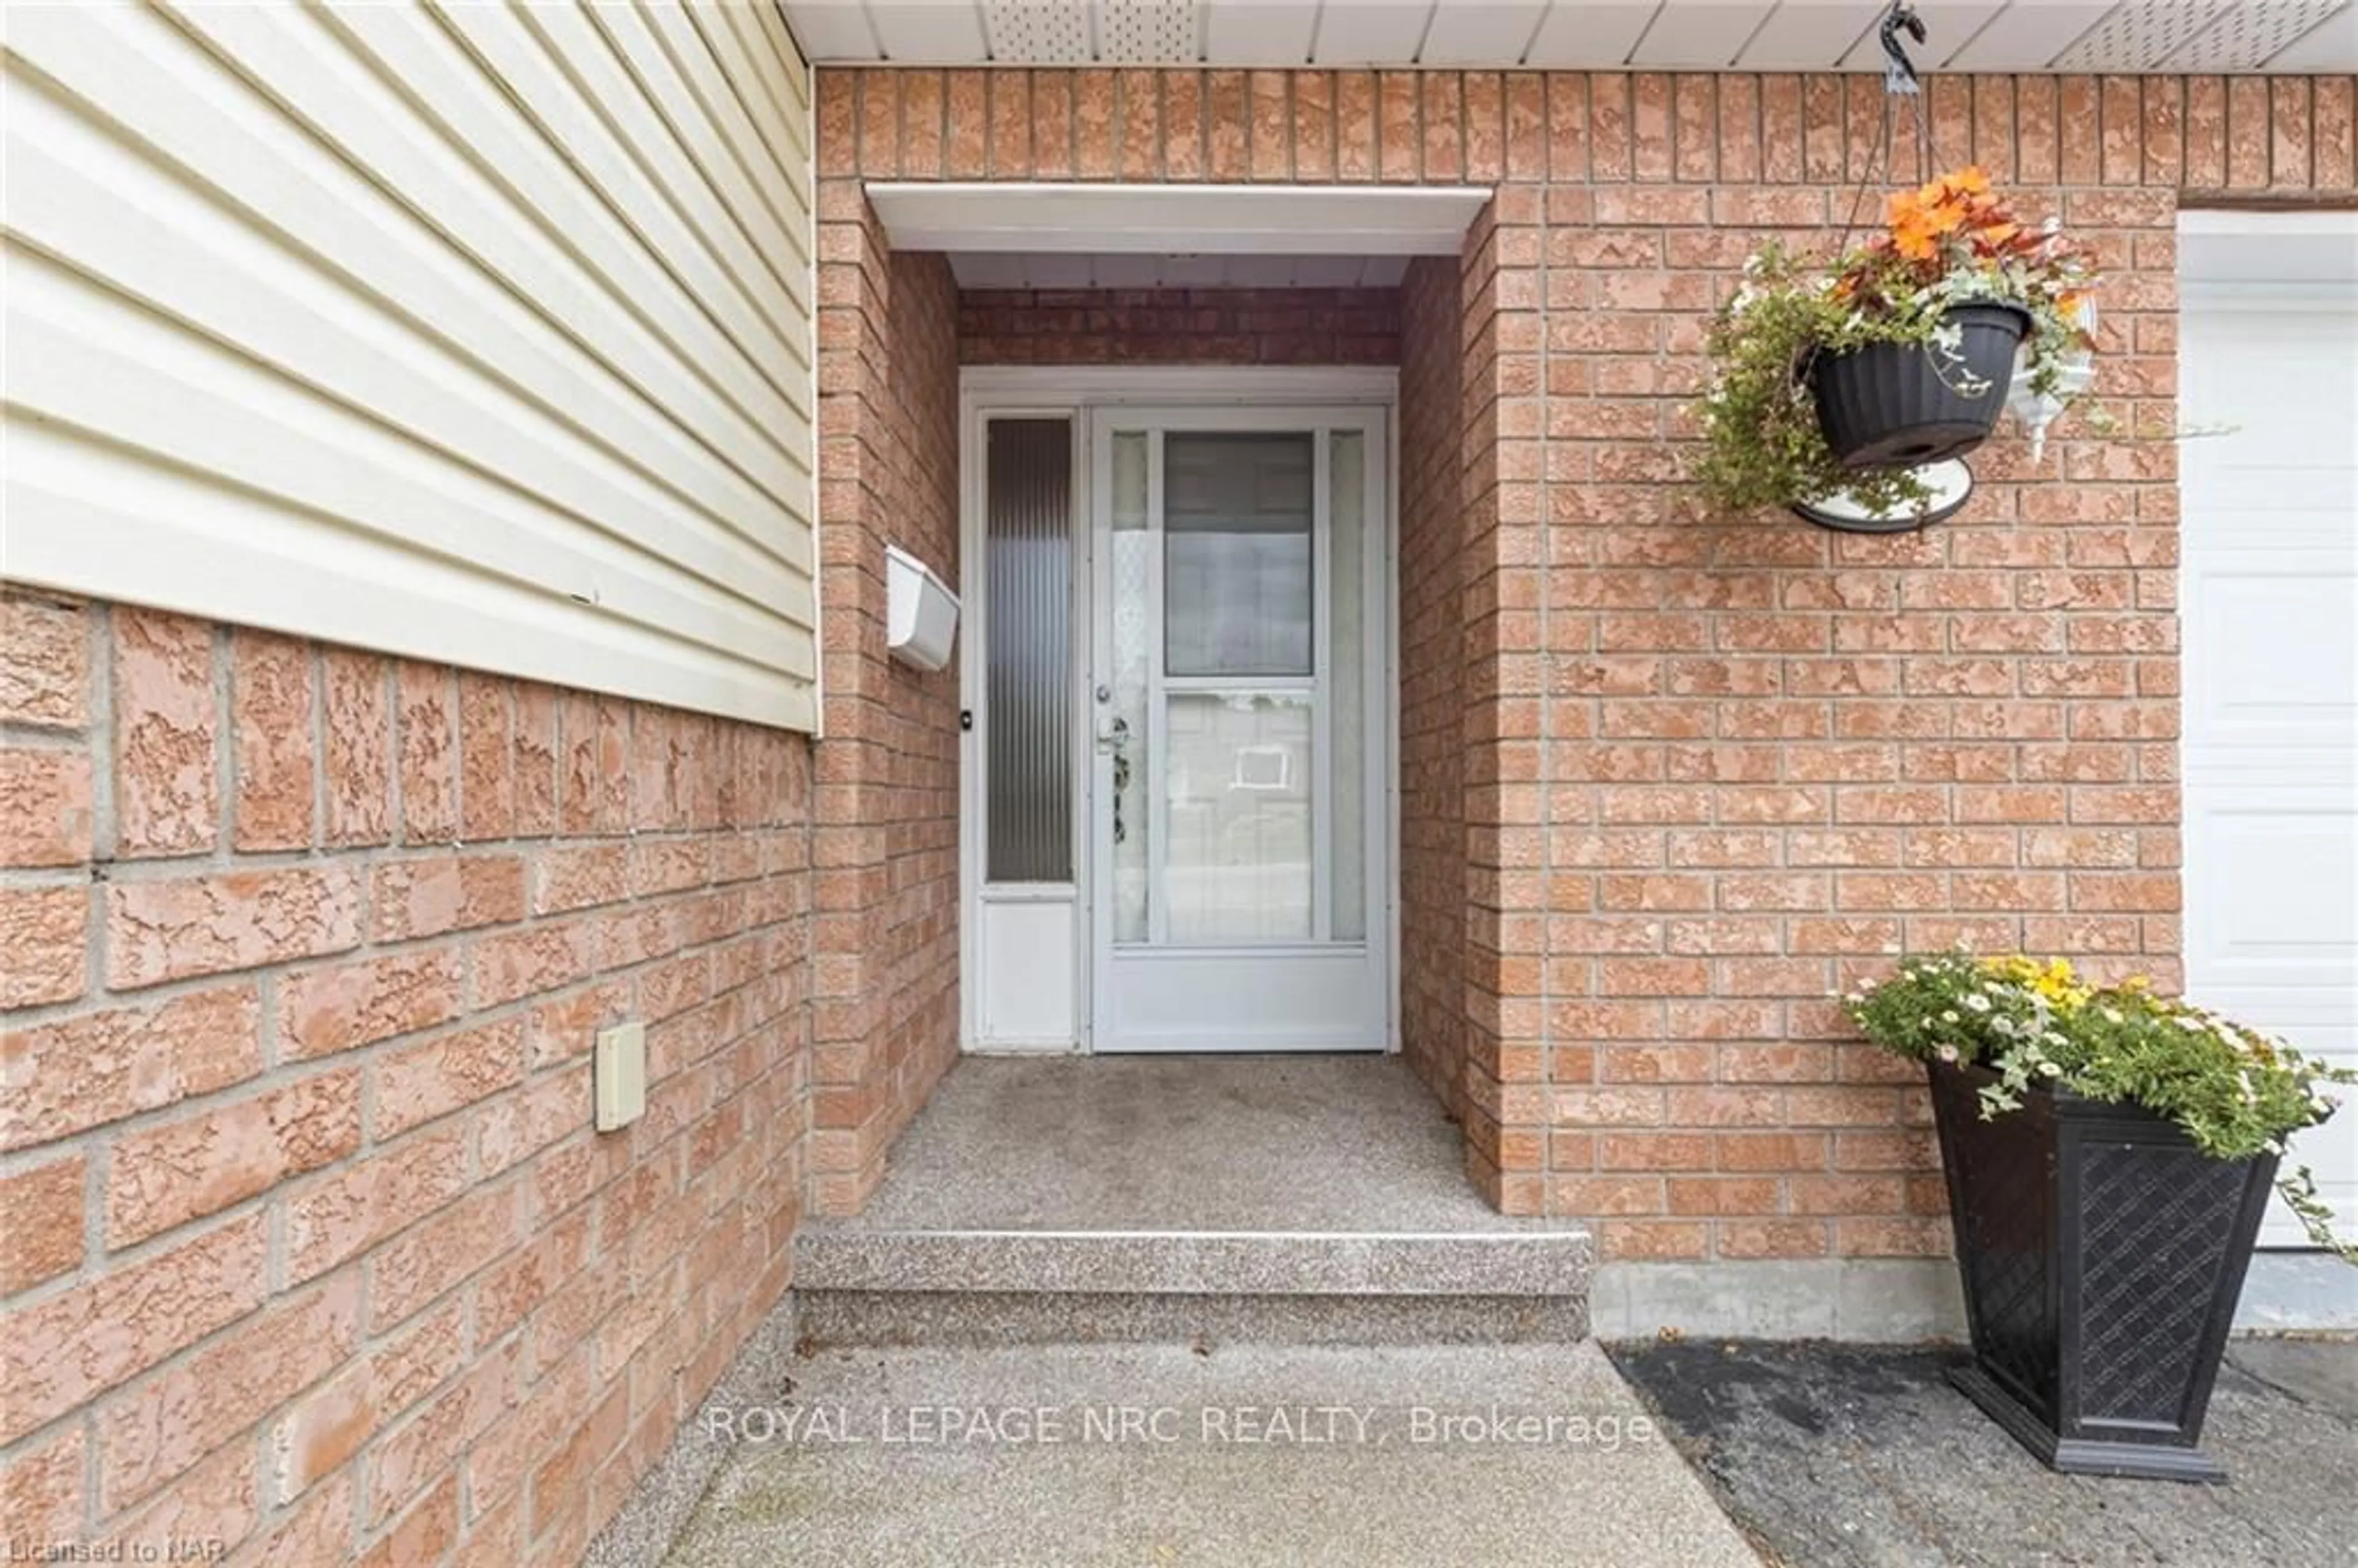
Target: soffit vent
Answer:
[[2250, 35], [2141, 33], [1148, 32], [1047, 32]]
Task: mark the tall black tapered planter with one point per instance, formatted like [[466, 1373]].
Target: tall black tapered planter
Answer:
[[1896, 406], [2102, 1254]]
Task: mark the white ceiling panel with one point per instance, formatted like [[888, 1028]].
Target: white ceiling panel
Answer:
[[2332, 45], [1481, 32], [1371, 32], [1056, 269], [2094, 36], [2027, 35], [1184, 271], [1147, 32], [990, 269], [1949, 27], [2138, 35], [1259, 32], [831, 29], [1701, 35], [931, 32], [1039, 32], [1811, 35], [1590, 32]]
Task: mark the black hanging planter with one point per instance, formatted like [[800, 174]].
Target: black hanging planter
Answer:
[[2102, 1254], [1896, 406]]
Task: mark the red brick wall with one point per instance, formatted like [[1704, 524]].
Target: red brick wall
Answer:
[[309, 1246], [887, 1018], [1180, 326], [1712, 767], [1433, 678]]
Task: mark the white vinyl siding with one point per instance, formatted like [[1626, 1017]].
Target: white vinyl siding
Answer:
[[479, 333]]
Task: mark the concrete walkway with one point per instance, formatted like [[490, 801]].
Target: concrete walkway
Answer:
[[1237, 1456]]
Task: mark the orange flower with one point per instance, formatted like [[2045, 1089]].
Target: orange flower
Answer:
[[1914, 235]]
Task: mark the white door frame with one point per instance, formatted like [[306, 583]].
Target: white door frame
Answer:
[[1072, 391]]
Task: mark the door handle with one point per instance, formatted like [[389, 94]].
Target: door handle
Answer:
[[1114, 741]]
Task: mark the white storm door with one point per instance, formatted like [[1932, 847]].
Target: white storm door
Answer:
[[2269, 591], [1237, 721]]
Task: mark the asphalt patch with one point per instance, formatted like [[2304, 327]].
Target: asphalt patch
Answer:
[[1862, 1456]]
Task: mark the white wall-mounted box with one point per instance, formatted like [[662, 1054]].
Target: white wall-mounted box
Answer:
[[618, 1073], [920, 612]]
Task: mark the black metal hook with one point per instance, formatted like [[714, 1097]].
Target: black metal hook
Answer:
[[1899, 73]]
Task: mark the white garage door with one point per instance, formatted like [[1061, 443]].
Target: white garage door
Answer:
[[2269, 367]]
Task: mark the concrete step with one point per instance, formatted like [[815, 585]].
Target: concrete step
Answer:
[[857, 1283]]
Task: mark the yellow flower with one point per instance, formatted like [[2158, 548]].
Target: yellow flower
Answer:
[[2052, 983]]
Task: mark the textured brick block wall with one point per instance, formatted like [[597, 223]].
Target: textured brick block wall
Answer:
[[1180, 326], [308, 1243], [887, 1017], [1433, 673], [1713, 767]]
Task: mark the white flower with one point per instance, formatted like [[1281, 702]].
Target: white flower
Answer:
[[1950, 1017], [1978, 1003], [2113, 1015], [1948, 1052], [2052, 1069]]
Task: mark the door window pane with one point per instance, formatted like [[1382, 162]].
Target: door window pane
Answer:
[[1237, 787], [1028, 682], [1349, 680], [1236, 514], [1131, 572]]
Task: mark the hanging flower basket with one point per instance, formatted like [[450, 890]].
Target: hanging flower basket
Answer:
[[1840, 379], [2109, 1154], [1901, 405]]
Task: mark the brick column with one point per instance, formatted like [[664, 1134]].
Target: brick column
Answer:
[[885, 1026]]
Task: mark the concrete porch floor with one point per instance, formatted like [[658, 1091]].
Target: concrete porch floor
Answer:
[[1165, 1199], [1193, 1144]]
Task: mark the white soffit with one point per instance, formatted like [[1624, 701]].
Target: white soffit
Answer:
[[1165, 220], [2096, 36]]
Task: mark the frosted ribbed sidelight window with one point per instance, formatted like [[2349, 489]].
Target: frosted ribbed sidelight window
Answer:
[[1028, 630]]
